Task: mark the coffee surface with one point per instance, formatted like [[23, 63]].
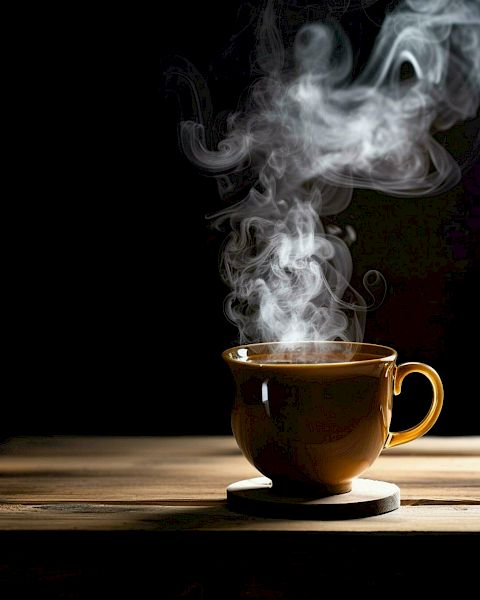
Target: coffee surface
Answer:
[[310, 358]]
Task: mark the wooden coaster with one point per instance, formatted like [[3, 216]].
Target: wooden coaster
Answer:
[[367, 498]]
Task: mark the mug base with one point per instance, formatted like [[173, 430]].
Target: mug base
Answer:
[[295, 488]]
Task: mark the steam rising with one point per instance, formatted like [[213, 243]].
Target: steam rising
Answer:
[[312, 135]]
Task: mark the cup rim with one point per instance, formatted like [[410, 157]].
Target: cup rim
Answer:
[[390, 355]]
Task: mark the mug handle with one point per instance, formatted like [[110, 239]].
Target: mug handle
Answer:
[[402, 437]]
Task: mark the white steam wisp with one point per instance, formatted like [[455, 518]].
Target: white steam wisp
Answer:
[[312, 135]]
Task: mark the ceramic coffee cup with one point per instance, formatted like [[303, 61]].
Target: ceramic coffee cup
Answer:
[[315, 415]]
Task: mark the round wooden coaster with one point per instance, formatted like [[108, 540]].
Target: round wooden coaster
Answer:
[[367, 498]]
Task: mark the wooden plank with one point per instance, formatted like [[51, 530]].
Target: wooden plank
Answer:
[[198, 470], [131, 446], [199, 445], [94, 517], [435, 445], [78, 513]]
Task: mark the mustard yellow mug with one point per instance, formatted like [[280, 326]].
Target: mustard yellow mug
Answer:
[[315, 415]]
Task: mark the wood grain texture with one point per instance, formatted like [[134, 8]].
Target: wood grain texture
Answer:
[[218, 518], [131, 517], [197, 469], [173, 484]]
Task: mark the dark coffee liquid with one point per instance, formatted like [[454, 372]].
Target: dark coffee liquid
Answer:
[[310, 358]]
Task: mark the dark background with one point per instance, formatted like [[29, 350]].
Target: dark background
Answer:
[[114, 298]]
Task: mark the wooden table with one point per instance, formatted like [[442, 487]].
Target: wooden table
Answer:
[[99, 517]]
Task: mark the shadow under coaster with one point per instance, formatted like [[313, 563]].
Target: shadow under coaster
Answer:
[[366, 499]]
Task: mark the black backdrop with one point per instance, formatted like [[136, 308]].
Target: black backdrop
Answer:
[[114, 298]]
